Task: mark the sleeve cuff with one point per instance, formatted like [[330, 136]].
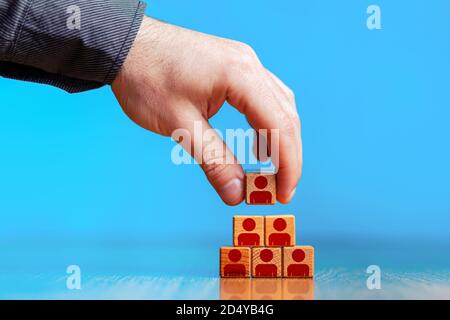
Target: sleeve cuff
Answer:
[[95, 52], [123, 53]]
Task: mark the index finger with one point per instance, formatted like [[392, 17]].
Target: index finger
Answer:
[[267, 105]]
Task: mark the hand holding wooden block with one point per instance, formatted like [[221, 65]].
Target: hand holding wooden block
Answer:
[[248, 230], [280, 230], [298, 262], [235, 262], [266, 262], [260, 188]]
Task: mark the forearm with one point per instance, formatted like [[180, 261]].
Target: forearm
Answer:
[[43, 41]]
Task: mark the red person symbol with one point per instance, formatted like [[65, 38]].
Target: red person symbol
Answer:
[[260, 196], [249, 238], [282, 238], [234, 269], [298, 269], [266, 269]]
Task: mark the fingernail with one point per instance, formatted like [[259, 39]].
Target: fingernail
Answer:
[[233, 191], [292, 195]]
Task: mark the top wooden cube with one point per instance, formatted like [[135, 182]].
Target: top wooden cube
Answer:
[[260, 188]]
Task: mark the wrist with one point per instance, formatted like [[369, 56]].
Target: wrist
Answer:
[[135, 53]]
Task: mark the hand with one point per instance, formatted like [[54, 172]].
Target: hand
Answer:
[[174, 77]]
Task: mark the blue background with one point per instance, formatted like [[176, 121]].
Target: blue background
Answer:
[[81, 184]]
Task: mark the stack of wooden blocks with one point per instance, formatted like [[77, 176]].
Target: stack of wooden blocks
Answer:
[[264, 247]]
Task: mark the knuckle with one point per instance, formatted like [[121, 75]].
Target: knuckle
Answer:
[[243, 55], [214, 171], [212, 157], [291, 94], [247, 50], [291, 129], [290, 122]]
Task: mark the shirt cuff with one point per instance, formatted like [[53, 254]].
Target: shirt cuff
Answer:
[[90, 47]]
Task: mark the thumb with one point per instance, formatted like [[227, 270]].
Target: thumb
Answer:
[[217, 161]]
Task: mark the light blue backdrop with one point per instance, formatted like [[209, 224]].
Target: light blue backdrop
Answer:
[[375, 108]]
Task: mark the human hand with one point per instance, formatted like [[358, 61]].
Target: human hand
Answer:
[[174, 77]]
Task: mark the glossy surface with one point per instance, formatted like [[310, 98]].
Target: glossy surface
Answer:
[[144, 272]]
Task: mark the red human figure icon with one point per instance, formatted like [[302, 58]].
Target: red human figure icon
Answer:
[[282, 238], [266, 269], [260, 196], [298, 269], [249, 238], [234, 269]]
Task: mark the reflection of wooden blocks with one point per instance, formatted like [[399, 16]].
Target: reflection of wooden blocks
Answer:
[[260, 188], [248, 230], [280, 230], [267, 289], [298, 289], [266, 262], [298, 262], [235, 289], [235, 262]]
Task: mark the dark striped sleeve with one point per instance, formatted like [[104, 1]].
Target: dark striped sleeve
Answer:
[[48, 42]]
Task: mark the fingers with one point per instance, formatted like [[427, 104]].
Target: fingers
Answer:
[[284, 176], [269, 104], [217, 161], [260, 146]]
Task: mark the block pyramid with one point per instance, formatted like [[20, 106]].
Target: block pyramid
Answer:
[[265, 246]]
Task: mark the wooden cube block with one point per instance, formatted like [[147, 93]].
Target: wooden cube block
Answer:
[[260, 188], [298, 262], [267, 289], [248, 230], [266, 262], [235, 262], [279, 230], [235, 289], [298, 289]]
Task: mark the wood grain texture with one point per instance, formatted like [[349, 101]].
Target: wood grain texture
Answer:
[[266, 262], [235, 262], [298, 262], [257, 192], [248, 230], [279, 230]]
